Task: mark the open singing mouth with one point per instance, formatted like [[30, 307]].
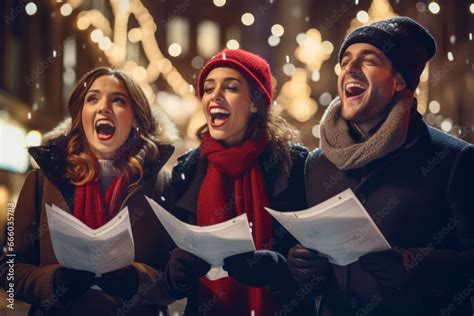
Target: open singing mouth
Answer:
[[105, 129], [354, 89], [219, 115]]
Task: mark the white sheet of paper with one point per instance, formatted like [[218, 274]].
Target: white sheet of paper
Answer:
[[339, 228], [101, 250], [211, 243]]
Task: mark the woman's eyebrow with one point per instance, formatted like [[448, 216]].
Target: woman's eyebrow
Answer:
[[225, 79]]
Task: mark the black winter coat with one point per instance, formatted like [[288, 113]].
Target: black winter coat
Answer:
[[420, 196], [35, 262], [284, 193]]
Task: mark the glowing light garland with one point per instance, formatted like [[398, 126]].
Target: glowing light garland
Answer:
[[295, 94], [113, 41]]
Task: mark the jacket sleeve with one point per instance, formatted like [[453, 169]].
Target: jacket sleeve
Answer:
[[20, 263], [443, 268], [287, 290]]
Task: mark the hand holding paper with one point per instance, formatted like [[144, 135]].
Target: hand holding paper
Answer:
[[339, 228], [305, 264], [258, 268], [211, 243], [73, 282], [183, 271]]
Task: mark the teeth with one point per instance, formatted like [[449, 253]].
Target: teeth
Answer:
[[353, 85], [219, 111], [104, 122]]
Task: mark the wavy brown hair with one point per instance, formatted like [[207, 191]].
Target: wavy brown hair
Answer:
[[139, 148], [280, 133]]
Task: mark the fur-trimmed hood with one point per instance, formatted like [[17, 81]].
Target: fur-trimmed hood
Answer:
[[167, 133]]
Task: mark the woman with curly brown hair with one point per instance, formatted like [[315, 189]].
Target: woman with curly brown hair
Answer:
[[248, 159], [107, 156]]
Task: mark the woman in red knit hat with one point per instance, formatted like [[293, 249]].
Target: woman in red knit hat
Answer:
[[248, 159]]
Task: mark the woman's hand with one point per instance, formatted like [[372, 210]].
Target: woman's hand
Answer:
[[183, 272], [69, 284], [308, 267], [122, 283], [257, 268]]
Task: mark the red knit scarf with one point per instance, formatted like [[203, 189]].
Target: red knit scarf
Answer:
[[234, 173], [90, 206]]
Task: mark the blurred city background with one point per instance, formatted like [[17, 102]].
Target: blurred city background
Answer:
[[47, 45]]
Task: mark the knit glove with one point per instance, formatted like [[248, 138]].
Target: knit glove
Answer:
[[122, 283], [69, 284], [308, 267], [183, 272], [258, 268], [387, 267]]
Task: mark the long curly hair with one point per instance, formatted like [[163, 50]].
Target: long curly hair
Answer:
[[139, 148], [281, 134]]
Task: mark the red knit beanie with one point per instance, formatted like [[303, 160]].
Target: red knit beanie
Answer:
[[253, 67]]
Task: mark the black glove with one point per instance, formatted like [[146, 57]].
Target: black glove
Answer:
[[307, 266], [386, 267], [183, 272], [258, 268], [121, 283], [70, 283]]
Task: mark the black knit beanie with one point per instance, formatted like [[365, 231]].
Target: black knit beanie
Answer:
[[406, 43]]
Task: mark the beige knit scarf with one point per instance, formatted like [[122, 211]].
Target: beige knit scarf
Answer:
[[340, 148]]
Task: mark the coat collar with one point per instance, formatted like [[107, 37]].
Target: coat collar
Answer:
[[51, 158]]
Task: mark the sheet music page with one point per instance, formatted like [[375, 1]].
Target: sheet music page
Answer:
[[80, 247], [339, 228], [211, 243]]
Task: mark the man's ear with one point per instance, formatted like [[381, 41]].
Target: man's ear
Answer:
[[400, 83]]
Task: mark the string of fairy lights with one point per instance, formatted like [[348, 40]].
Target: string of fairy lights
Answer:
[[295, 96]]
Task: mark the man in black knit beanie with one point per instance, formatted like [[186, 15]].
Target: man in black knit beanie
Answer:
[[414, 181]]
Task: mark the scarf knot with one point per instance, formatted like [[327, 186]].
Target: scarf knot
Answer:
[[233, 161]]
